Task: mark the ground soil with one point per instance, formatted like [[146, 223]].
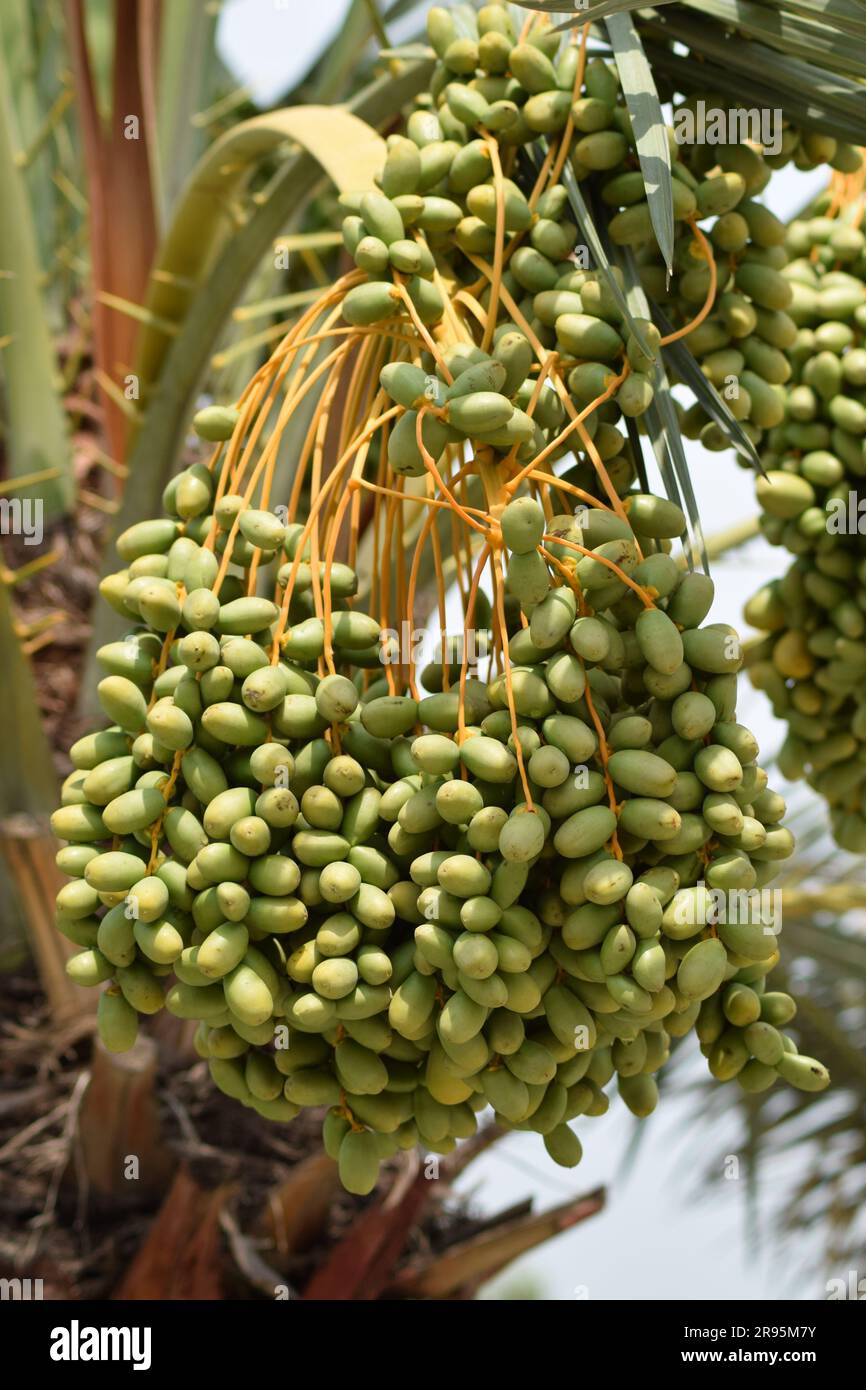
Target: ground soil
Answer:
[[53, 1227]]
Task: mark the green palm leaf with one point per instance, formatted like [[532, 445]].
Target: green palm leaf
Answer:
[[589, 232], [177, 366], [806, 57], [689, 372], [650, 131], [38, 445], [663, 429]]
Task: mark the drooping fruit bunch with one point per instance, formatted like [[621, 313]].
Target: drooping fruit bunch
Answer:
[[742, 344], [404, 925], [812, 664], [470, 156], [407, 897]]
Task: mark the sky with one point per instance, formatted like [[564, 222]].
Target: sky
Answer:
[[268, 44], [666, 1232]]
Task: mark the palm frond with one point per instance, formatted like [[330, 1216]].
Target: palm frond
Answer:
[[38, 446], [586, 226], [177, 367], [805, 57], [663, 429], [28, 785], [689, 372], [651, 136]]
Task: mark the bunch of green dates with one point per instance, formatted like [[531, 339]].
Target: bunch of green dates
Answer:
[[743, 344], [487, 402], [432, 221], [812, 661], [359, 907]]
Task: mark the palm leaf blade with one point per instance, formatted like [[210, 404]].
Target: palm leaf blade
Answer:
[[183, 363], [663, 428], [27, 781], [689, 372], [793, 51], [789, 33], [649, 127], [37, 442], [590, 234]]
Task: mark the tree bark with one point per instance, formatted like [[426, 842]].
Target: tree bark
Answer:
[[122, 1147], [181, 1257]]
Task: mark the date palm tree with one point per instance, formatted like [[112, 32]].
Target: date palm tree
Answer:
[[157, 234]]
